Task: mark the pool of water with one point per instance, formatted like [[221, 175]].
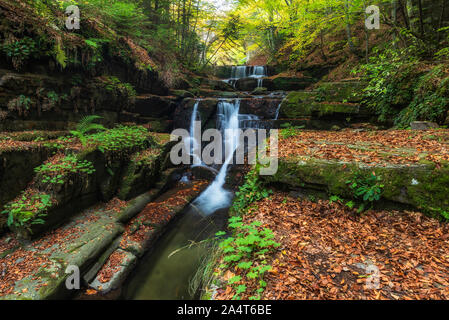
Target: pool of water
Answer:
[[165, 272]]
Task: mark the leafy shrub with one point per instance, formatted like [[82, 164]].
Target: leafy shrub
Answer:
[[366, 189], [430, 100], [392, 79], [56, 172], [22, 104], [119, 88], [29, 209], [124, 16], [121, 138], [245, 252], [252, 190], [401, 90], [20, 51]]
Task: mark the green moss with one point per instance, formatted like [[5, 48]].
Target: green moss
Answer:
[[347, 91], [423, 186], [141, 173], [300, 104], [289, 84]]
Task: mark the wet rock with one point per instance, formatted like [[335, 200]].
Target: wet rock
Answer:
[[183, 113], [265, 108], [246, 84], [205, 173], [221, 94]]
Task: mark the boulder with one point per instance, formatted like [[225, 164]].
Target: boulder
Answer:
[[423, 125], [303, 104]]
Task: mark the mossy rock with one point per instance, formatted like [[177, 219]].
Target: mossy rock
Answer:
[[141, 173], [17, 169], [182, 94], [291, 83], [259, 91], [299, 104], [345, 91], [422, 186]]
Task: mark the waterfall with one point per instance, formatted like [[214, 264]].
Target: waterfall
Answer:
[[192, 143], [240, 72], [248, 121], [276, 117], [215, 197]]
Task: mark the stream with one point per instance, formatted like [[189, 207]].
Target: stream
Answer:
[[166, 272]]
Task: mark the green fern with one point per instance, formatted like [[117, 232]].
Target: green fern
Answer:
[[85, 126]]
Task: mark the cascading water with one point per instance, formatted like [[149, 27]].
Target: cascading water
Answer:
[[240, 72], [215, 197], [192, 143]]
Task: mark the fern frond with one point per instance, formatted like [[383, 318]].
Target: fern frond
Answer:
[[86, 124]]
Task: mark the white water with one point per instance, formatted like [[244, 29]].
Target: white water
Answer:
[[276, 117], [240, 72], [192, 143], [216, 197]]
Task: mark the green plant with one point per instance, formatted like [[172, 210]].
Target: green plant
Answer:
[[252, 190], [121, 138], [85, 126], [366, 188], [287, 130], [22, 104], [430, 100], [28, 210], [246, 252], [114, 84], [333, 199], [20, 51], [58, 169]]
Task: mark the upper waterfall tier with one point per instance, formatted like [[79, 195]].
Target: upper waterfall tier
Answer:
[[236, 73]]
